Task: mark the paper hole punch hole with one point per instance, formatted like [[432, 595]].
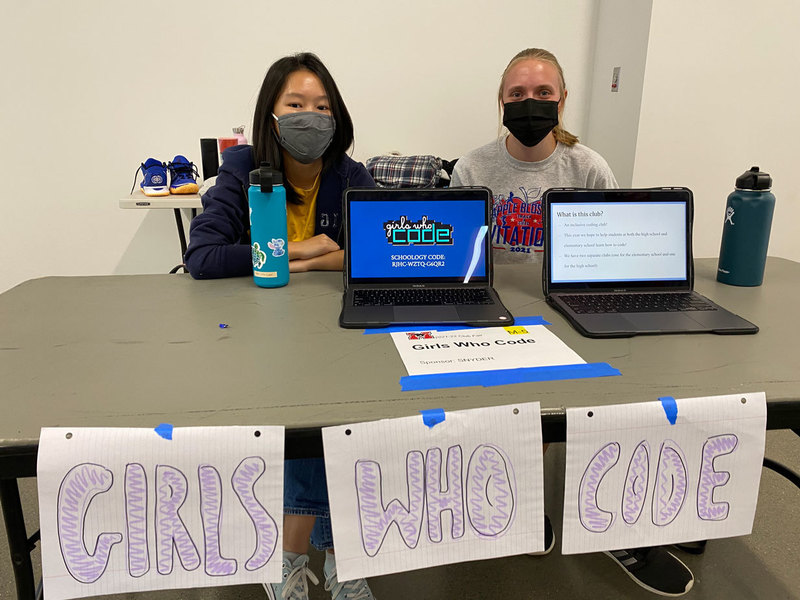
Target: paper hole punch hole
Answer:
[[257, 433], [68, 436], [744, 400], [516, 411], [590, 414], [347, 432]]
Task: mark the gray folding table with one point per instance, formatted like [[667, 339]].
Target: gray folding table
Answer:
[[139, 350]]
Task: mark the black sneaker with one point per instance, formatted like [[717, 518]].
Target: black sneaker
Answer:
[[692, 547], [549, 539], [655, 569]]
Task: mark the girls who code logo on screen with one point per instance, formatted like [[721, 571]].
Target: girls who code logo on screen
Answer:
[[404, 232], [420, 239]]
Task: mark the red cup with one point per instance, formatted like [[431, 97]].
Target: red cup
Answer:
[[226, 142]]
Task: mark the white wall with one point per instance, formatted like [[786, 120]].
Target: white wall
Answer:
[[721, 91], [622, 32], [92, 88]]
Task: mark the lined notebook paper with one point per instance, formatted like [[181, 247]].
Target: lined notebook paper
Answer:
[[129, 510], [636, 479], [405, 495]]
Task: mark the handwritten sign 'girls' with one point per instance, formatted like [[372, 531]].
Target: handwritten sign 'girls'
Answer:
[[406, 495], [662, 472], [125, 510]]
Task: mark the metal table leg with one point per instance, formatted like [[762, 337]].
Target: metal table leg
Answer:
[[181, 232], [18, 543]]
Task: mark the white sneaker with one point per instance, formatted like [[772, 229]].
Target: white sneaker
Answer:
[[294, 585], [357, 589]]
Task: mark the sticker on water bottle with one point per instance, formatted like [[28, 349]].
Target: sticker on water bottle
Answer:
[[259, 256], [266, 274], [276, 245]]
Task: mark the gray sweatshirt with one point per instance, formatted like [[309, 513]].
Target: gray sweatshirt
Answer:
[[517, 187]]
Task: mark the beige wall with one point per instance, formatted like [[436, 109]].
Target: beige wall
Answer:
[[720, 95], [92, 88], [612, 128]]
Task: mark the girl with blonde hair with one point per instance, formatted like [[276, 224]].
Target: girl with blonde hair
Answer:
[[536, 153]]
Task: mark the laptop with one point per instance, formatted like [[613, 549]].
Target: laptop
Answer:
[[419, 256], [618, 263]]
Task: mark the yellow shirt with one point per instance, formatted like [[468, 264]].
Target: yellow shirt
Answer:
[[300, 217]]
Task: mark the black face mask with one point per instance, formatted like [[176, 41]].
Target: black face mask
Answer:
[[530, 120]]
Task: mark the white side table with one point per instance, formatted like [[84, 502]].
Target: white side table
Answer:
[[174, 201]]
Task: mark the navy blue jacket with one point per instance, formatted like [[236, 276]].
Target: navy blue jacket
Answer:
[[219, 237]]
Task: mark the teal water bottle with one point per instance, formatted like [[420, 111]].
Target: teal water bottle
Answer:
[[268, 237], [745, 231]]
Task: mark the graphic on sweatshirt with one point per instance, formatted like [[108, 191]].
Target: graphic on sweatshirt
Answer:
[[517, 221]]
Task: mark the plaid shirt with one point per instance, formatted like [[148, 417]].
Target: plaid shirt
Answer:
[[418, 171]]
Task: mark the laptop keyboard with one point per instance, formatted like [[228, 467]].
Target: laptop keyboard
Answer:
[[421, 297], [632, 303]]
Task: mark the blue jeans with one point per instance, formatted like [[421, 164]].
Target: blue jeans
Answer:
[[305, 492]]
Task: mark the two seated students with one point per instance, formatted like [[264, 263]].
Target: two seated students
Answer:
[[301, 124]]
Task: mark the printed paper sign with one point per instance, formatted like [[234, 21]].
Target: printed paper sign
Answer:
[[662, 472], [129, 510], [407, 495], [487, 348]]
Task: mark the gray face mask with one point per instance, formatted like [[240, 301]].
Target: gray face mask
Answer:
[[305, 135]]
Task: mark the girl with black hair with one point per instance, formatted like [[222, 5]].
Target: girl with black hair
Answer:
[[301, 126]]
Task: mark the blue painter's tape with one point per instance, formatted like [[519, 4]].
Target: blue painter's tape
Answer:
[[432, 417], [164, 430], [502, 377], [433, 327], [671, 408]]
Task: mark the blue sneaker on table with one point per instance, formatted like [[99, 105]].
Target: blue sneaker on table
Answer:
[[183, 176], [155, 178]]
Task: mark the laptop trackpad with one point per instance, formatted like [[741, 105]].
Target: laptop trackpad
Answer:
[[426, 314], [667, 321]]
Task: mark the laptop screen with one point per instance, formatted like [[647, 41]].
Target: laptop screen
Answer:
[[614, 238], [424, 236]]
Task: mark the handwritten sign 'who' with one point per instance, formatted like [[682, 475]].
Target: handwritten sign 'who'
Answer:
[[405, 495]]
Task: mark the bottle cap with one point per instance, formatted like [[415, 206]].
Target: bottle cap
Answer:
[[754, 180], [255, 175]]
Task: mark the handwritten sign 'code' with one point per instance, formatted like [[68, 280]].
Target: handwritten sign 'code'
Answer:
[[650, 473]]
